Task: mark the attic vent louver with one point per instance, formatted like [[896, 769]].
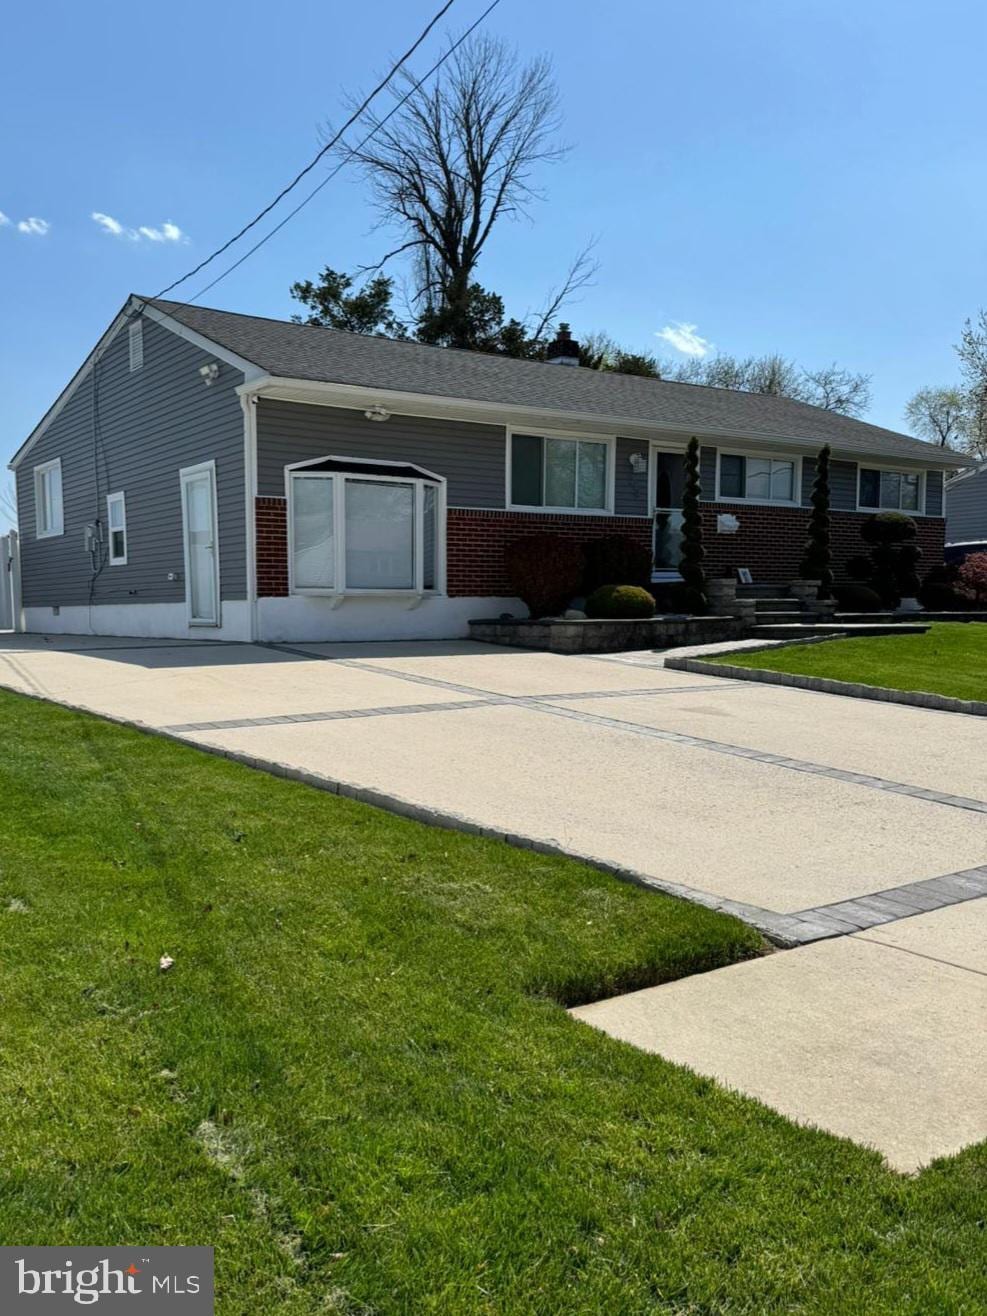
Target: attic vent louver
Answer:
[[136, 343]]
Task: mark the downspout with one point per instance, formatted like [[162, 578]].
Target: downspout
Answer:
[[248, 401]]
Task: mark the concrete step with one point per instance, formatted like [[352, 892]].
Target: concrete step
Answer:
[[777, 616], [777, 605], [801, 630]]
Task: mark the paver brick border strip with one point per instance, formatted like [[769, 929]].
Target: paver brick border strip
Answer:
[[826, 685]]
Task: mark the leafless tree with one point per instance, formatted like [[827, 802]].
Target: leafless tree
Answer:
[[835, 389], [8, 505], [938, 415], [457, 157]]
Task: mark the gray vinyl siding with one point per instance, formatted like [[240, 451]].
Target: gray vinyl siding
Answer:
[[966, 509], [630, 488], [472, 458], [843, 486], [151, 423], [933, 493]]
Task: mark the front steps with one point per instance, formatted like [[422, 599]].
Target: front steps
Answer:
[[780, 616]]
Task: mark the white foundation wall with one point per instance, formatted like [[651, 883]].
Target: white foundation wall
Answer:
[[360, 618], [158, 621]]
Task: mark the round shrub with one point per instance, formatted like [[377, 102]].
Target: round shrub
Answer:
[[544, 571], [624, 601], [888, 528], [616, 557], [972, 578], [854, 597]]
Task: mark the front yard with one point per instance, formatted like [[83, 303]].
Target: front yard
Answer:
[[358, 1081], [951, 659]]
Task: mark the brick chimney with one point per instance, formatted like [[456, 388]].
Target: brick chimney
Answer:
[[564, 351]]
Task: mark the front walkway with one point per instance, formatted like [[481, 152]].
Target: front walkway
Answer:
[[810, 815]]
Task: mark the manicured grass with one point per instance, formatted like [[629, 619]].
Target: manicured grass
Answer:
[[357, 1081], [950, 659]]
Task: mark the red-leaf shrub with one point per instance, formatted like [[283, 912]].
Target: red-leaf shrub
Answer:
[[545, 571], [971, 579], [615, 560]]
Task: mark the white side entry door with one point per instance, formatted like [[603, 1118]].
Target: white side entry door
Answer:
[[200, 522]]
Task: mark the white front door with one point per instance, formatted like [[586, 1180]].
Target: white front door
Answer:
[[199, 520]]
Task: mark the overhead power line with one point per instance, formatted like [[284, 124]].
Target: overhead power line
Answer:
[[315, 160], [346, 158]]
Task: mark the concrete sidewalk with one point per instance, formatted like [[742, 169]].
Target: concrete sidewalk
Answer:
[[811, 816], [878, 1036]]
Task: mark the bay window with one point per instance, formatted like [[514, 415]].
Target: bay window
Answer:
[[757, 479], [358, 527], [894, 491], [559, 474]]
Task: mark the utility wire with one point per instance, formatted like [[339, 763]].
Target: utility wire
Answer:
[[345, 160], [315, 160]]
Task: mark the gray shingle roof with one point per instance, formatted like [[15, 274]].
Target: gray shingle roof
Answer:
[[309, 352]]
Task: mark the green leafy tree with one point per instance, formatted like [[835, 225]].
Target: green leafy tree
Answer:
[[693, 553], [332, 303], [817, 558], [939, 416]]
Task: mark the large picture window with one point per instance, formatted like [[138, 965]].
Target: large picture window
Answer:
[[894, 491], [356, 528], [560, 474], [758, 479]]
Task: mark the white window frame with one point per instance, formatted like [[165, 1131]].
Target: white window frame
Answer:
[[58, 522], [186, 474], [116, 560], [894, 470], [339, 589], [747, 454], [610, 440], [135, 344]]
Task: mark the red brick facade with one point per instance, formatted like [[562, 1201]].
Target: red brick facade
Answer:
[[771, 539], [770, 542], [475, 543], [272, 547]]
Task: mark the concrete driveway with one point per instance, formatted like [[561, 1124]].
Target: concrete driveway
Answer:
[[813, 816]]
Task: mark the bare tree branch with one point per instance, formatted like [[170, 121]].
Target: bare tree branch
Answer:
[[580, 274]]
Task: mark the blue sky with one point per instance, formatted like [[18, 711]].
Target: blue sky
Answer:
[[805, 177]]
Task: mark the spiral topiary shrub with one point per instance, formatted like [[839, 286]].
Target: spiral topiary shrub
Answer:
[[617, 557], [620, 601], [894, 555], [544, 571], [817, 558]]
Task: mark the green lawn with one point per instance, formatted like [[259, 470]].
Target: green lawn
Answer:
[[358, 1083], [951, 659]]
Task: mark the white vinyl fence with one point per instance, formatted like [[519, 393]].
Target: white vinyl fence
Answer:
[[10, 582]]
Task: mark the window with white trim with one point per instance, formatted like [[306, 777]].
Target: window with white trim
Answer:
[[116, 528], [895, 491], [560, 474], [757, 479], [135, 342], [48, 516], [357, 528]]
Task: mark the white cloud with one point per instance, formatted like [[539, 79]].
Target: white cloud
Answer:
[[108, 223], [684, 339], [39, 227], [168, 232], [3, 220]]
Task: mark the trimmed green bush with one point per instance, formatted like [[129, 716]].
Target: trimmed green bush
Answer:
[[894, 554], [693, 553], [544, 571], [623, 601], [817, 559], [615, 558], [854, 597]]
